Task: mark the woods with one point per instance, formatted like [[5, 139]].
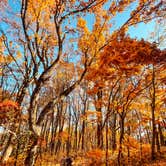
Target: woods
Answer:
[[75, 86]]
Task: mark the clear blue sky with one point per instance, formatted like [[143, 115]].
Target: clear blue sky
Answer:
[[140, 31]]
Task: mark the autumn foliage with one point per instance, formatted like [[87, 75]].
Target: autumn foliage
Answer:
[[9, 111], [78, 84]]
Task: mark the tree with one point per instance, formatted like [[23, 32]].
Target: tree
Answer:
[[125, 57]]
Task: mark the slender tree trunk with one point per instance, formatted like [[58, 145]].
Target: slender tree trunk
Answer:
[[140, 136], [99, 123], [148, 137], [157, 142], [153, 116], [128, 147], [114, 132], [120, 154], [106, 144], [68, 138], [57, 147], [83, 134], [83, 127], [161, 135], [75, 136], [52, 133]]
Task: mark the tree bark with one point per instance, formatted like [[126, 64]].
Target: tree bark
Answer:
[[120, 154], [99, 123], [157, 142], [161, 135], [32, 152], [114, 132], [153, 116], [106, 145], [8, 149]]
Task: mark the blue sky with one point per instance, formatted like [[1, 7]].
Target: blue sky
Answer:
[[140, 31]]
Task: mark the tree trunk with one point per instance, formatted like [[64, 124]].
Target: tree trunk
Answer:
[[114, 132], [161, 135], [8, 149], [148, 137], [32, 151], [75, 136], [120, 154], [153, 116], [99, 136], [128, 147], [157, 142], [99, 123], [83, 134], [7, 153], [68, 145], [106, 144]]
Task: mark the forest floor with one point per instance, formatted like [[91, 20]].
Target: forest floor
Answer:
[[97, 158], [85, 161]]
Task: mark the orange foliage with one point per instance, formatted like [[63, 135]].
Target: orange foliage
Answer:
[[96, 157], [8, 110]]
